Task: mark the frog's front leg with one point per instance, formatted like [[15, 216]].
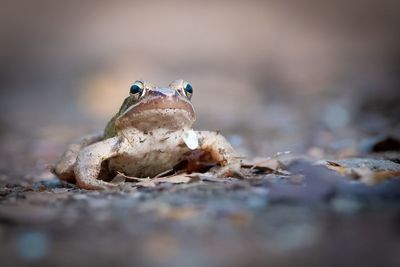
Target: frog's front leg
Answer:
[[88, 163], [64, 168], [221, 151]]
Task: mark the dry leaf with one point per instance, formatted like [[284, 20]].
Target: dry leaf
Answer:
[[147, 182], [176, 179], [371, 173], [268, 165], [152, 182]]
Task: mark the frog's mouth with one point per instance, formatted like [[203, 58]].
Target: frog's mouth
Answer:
[[159, 111]]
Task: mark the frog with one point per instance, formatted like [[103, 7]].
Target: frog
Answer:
[[150, 134]]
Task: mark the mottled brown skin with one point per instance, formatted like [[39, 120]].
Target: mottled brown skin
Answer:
[[144, 139]]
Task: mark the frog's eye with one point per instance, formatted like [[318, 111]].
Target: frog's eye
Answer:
[[137, 89], [188, 89]]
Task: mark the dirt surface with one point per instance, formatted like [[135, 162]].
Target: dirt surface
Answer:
[[287, 209]]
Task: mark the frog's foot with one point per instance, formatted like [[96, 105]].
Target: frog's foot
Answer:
[[89, 164], [230, 170], [64, 168], [222, 153]]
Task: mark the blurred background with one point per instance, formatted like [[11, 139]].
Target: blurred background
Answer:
[[318, 78], [272, 75]]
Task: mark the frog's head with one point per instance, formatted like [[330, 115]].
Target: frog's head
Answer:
[[148, 107]]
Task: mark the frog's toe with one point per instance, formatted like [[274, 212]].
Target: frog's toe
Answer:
[[229, 171], [238, 174]]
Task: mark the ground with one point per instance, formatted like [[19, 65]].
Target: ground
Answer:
[[287, 209]]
